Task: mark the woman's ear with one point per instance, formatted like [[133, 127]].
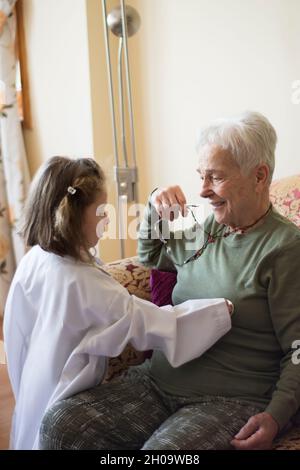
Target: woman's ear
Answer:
[[262, 174]]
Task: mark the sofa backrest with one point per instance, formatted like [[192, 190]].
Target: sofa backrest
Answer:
[[285, 196]]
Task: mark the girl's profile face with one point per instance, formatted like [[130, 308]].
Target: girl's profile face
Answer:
[[95, 220]]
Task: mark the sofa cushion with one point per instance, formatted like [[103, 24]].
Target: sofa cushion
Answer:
[[162, 284], [285, 196], [132, 275]]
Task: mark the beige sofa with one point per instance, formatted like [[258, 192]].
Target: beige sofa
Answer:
[[285, 195]]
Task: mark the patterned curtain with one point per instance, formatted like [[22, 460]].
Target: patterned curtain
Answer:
[[14, 174]]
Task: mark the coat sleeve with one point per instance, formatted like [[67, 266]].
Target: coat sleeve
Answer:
[[112, 318], [182, 332]]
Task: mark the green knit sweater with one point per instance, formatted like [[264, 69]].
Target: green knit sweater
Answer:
[[259, 272]]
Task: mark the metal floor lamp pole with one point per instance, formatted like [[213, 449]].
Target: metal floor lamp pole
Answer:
[[123, 21]]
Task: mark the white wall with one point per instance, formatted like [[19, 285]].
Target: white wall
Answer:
[[57, 59], [191, 61], [68, 89], [201, 59]]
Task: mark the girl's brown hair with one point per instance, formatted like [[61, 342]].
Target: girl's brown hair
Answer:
[[53, 215]]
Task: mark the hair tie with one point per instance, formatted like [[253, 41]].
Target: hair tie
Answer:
[[71, 190]]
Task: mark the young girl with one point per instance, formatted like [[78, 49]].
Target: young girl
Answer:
[[64, 314]]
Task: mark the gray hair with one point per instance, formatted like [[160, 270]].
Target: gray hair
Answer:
[[249, 137]]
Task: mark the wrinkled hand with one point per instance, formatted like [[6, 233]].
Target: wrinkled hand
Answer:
[[169, 202], [257, 434]]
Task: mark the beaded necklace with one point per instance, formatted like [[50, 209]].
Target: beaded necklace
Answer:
[[212, 237]]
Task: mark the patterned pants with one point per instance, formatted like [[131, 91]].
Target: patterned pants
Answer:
[[131, 413]]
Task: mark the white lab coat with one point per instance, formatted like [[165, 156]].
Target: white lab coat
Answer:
[[63, 318]]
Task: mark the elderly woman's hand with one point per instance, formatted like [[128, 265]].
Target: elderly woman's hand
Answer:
[[229, 306], [257, 434], [169, 202]]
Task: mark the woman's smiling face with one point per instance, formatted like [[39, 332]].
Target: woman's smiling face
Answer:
[[232, 194]]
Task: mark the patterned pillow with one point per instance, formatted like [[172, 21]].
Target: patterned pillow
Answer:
[[132, 275], [285, 195]]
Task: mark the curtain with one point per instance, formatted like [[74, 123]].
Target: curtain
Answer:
[[14, 174]]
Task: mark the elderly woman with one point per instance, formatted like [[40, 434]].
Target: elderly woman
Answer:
[[244, 390]]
